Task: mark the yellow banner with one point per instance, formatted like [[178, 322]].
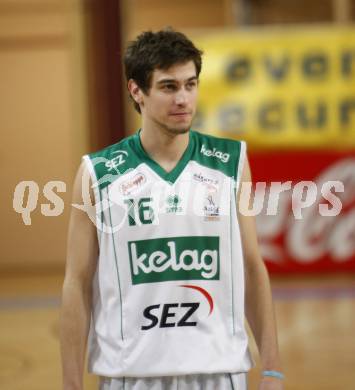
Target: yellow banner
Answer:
[[280, 87]]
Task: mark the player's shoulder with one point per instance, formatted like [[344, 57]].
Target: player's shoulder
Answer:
[[114, 160], [124, 145], [218, 153], [223, 143]]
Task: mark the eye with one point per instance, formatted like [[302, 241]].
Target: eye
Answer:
[[169, 87], [191, 85]]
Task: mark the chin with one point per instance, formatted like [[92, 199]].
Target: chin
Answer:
[[177, 131], [181, 128]]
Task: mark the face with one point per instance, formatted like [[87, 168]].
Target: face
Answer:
[[171, 101]]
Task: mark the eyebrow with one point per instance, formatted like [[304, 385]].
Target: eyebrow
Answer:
[[164, 81]]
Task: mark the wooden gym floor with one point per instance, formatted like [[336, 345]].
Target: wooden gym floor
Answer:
[[316, 321]]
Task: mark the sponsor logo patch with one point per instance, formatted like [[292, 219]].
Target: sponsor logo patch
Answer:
[[173, 202], [115, 162], [210, 183], [130, 186], [211, 210], [174, 258], [204, 179], [224, 157], [170, 315]]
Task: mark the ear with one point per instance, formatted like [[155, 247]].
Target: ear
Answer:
[[135, 91]]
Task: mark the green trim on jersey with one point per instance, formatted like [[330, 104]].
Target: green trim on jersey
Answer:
[[221, 154], [115, 160], [212, 152], [234, 200], [167, 176], [117, 271]]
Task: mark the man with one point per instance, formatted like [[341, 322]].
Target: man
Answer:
[[161, 277]]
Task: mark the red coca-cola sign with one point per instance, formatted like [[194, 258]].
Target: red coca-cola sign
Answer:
[[313, 226]]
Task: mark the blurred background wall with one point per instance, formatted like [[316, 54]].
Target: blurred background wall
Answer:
[[39, 139], [57, 103], [62, 94]]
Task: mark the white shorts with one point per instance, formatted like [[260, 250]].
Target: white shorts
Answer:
[[183, 382]]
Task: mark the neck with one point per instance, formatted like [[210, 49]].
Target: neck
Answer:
[[163, 146]]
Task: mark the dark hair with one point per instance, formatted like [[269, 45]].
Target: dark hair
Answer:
[[158, 50]]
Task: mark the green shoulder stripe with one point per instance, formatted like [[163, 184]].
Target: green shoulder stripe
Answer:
[[114, 161], [221, 154]]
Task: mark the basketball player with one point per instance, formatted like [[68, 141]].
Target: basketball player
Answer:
[[161, 281]]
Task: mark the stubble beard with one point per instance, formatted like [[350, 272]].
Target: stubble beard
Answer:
[[173, 131]]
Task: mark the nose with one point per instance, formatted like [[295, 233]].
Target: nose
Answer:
[[181, 97]]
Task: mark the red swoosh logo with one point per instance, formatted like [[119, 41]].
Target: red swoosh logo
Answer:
[[203, 292]]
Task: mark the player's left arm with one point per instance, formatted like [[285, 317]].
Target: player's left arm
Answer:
[[258, 300]]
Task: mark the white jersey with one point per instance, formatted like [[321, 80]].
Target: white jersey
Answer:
[[168, 292]]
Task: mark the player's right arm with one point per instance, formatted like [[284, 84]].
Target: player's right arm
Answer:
[[82, 253]]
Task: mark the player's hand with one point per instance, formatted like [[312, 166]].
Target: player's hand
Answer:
[[269, 383]]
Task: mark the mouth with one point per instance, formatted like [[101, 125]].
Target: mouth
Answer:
[[180, 114]]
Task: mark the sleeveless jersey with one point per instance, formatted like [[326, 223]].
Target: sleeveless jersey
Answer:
[[168, 292]]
